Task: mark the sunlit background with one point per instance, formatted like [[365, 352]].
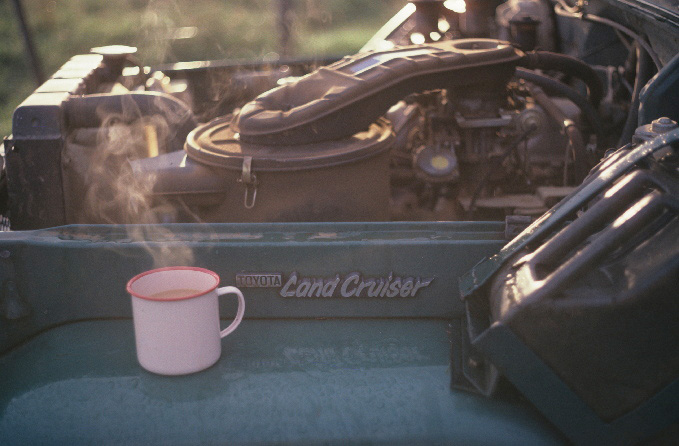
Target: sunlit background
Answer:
[[178, 30]]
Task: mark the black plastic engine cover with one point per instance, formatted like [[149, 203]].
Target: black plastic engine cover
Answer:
[[598, 301], [581, 311]]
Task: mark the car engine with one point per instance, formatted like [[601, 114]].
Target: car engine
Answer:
[[442, 116]]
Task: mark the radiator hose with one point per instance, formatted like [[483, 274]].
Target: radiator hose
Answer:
[[545, 60]]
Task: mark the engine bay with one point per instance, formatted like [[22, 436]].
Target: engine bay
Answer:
[[442, 116]]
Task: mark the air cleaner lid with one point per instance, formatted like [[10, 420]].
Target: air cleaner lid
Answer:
[[216, 143], [308, 109]]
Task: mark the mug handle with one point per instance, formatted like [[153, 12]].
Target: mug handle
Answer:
[[239, 313]]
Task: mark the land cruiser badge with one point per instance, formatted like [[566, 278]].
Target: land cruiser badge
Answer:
[[350, 285]]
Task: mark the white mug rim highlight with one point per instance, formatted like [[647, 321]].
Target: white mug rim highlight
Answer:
[[173, 268]]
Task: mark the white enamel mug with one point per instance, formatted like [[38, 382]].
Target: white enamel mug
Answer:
[[176, 319]]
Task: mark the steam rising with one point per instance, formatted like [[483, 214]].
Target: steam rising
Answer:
[[118, 195], [158, 24]]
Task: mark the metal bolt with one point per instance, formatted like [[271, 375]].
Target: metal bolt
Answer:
[[655, 128], [662, 125]]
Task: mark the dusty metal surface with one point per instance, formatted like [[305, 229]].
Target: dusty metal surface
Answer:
[[278, 382]]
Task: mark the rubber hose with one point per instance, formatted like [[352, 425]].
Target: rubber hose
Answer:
[[645, 70], [545, 60], [554, 87], [580, 164], [92, 110], [573, 134], [559, 10]]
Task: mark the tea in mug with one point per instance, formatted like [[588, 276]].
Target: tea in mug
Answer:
[[174, 294]]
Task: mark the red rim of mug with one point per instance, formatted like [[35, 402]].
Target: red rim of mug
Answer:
[[173, 268]]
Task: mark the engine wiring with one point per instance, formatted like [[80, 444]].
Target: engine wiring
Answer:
[[479, 187], [563, 9]]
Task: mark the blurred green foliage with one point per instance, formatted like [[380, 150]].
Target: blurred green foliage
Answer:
[[177, 30]]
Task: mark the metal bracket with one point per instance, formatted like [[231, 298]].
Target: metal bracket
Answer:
[[515, 224], [478, 123], [249, 179]]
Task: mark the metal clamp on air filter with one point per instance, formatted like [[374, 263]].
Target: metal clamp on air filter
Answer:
[[249, 180]]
